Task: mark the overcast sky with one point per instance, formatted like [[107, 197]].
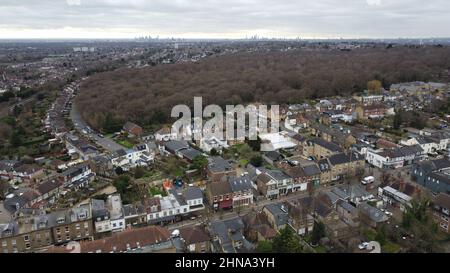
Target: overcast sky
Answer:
[[224, 18]]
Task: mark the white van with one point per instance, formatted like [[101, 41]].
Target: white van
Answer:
[[368, 180]]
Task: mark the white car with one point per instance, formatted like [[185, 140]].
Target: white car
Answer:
[[363, 245]]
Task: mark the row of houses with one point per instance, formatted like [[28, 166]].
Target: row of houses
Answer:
[[112, 216], [36, 229], [41, 195]]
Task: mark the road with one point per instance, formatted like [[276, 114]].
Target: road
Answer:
[[105, 143]]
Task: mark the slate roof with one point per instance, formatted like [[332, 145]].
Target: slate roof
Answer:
[[327, 145], [280, 215], [190, 153], [218, 164], [191, 193], [176, 145], [374, 214], [240, 183], [311, 170]]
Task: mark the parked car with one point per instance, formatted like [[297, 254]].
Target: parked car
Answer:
[[368, 180], [363, 245]]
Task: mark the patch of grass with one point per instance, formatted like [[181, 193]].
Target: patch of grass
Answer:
[[390, 247], [125, 143], [243, 162], [156, 191]]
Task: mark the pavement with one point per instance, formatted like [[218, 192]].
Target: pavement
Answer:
[[104, 142]]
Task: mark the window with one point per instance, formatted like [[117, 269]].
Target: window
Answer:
[[67, 237], [77, 226], [27, 245], [38, 236], [86, 225], [58, 230], [114, 225], [13, 242], [121, 224], [4, 244], [26, 238], [67, 229]]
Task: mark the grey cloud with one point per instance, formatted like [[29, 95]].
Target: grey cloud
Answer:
[[336, 18]]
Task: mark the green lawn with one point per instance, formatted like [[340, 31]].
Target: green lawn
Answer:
[[156, 191], [243, 162], [125, 143]]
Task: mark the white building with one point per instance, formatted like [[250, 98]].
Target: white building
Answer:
[[385, 159], [207, 144], [114, 205], [276, 141], [141, 155]]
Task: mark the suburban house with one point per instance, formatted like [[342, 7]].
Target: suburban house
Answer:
[[132, 129], [347, 213], [207, 144], [140, 155], [220, 195], [325, 171], [219, 169], [114, 206], [72, 225], [165, 134], [296, 123], [28, 172], [100, 216], [242, 189], [320, 148], [36, 231], [433, 175], [195, 239], [228, 236], [257, 227], [77, 176], [346, 165], [272, 157], [371, 216], [385, 159], [274, 183], [167, 209], [370, 111], [277, 215], [441, 211], [303, 176], [134, 215], [301, 216], [80, 148]]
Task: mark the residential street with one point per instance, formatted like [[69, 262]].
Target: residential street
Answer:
[[103, 142]]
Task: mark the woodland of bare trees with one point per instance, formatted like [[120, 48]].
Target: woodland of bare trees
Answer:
[[147, 95]]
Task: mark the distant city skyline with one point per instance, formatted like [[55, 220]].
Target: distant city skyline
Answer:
[[232, 19]]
